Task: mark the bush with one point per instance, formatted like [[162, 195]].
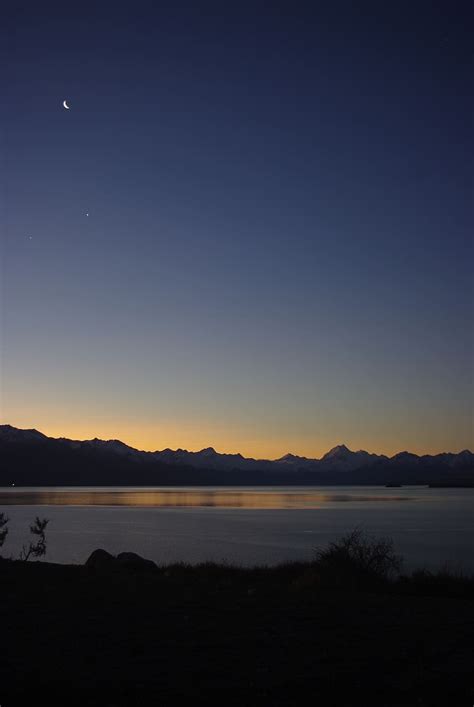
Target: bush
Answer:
[[357, 559], [37, 549], [3, 528]]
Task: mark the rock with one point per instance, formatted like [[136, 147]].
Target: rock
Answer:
[[131, 560], [100, 558]]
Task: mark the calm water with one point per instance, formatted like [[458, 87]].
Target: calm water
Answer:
[[430, 527]]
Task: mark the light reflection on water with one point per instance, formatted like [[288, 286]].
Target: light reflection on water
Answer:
[[243, 525], [191, 498]]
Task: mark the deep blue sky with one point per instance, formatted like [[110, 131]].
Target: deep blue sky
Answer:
[[278, 252]]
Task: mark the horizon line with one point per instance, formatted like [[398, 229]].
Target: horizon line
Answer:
[[211, 448]]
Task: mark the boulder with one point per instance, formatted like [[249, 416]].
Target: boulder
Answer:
[[100, 559]]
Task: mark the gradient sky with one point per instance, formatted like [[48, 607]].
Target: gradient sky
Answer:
[[278, 251]]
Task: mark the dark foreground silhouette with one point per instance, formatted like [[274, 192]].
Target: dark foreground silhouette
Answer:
[[122, 631]]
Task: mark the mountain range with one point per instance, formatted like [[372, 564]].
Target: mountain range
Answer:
[[28, 457]]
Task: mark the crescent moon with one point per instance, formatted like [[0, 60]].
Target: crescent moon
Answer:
[[65, 105]]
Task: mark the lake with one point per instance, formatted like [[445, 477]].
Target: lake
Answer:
[[430, 527]]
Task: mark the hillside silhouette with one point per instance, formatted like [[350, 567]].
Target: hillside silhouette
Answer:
[[30, 458]]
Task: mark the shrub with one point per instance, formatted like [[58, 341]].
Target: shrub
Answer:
[[37, 549], [3, 528], [357, 559]]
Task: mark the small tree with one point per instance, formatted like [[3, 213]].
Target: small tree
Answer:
[[37, 549], [3, 528], [357, 558]]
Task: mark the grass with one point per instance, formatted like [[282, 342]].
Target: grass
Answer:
[[341, 629]]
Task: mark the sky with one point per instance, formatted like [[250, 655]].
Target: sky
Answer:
[[252, 229]]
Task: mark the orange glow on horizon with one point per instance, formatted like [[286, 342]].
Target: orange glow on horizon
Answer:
[[189, 436]]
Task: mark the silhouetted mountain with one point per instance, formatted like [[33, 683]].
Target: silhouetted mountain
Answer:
[[13, 434], [292, 459], [205, 459], [28, 457], [338, 452], [341, 459]]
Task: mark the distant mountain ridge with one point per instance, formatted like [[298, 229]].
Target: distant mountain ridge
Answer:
[[21, 451]]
